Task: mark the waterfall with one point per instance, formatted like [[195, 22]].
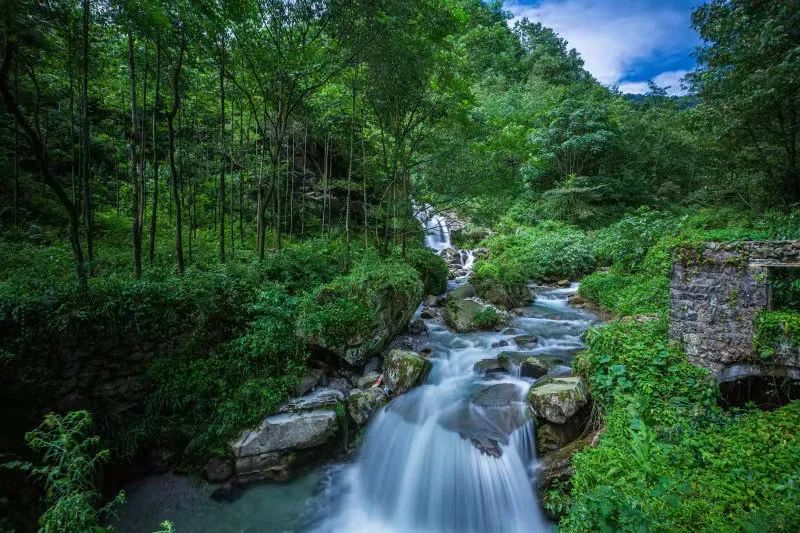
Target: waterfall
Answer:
[[437, 230]]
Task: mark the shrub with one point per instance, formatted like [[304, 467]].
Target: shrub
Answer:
[[549, 251], [776, 330], [431, 267], [71, 459]]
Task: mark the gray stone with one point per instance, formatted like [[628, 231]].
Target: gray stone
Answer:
[[461, 315], [322, 397], [504, 294], [373, 365], [526, 341], [309, 381], [362, 404], [417, 327], [403, 370], [287, 431], [217, 470], [488, 366], [340, 384], [367, 380], [465, 291], [556, 399]]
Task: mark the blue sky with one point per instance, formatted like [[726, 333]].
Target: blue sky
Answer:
[[623, 42]]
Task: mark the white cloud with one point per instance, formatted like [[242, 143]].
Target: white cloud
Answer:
[[611, 36], [670, 79]]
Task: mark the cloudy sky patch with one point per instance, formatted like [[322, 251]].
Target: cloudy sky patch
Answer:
[[624, 43]]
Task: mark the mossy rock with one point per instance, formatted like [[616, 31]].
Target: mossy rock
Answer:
[[556, 399], [508, 295], [472, 315], [363, 403], [403, 370]]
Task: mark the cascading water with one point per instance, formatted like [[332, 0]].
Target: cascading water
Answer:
[[457, 453], [437, 230]]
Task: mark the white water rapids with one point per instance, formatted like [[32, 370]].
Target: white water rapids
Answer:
[[418, 469]]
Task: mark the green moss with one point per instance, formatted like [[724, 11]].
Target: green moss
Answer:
[[775, 329], [487, 318]]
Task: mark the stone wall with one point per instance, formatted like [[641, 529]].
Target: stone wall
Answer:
[[715, 293]]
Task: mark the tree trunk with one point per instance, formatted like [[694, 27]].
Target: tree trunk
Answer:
[[154, 210], [85, 172], [221, 192], [135, 185], [173, 172]]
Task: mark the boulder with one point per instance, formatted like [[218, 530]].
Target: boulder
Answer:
[[488, 366], [322, 397], [557, 466], [217, 470], [417, 327], [340, 384], [525, 341], [308, 381], [472, 315], [500, 344], [508, 295], [563, 283], [540, 365], [551, 437], [362, 404], [367, 380], [403, 370], [283, 441], [556, 399], [462, 292]]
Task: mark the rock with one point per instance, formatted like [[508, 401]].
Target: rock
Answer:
[[283, 441], [217, 470], [430, 300], [340, 384], [309, 381], [556, 399], [366, 381], [462, 292], [500, 344], [510, 360], [373, 365], [322, 397], [557, 465], [426, 352], [551, 437], [428, 313], [503, 294], [540, 365], [489, 417], [526, 340], [417, 327], [488, 366], [403, 370], [362, 404], [563, 283], [472, 315]]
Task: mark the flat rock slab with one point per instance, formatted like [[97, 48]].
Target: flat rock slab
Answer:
[[287, 431], [322, 397]]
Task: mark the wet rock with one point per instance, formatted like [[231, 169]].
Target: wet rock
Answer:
[[322, 397], [488, 366], [472, 315], [417, 327], [367, 380], [551, 437], [467, 290], [510, 359], [362, 404], [309, 381], [504, 294], [556, 399], [563, 283], [429, 314], [403, 370], [496, 396], [217, 470], [557, 465], [541, 365], [500, 344], [526, 341]]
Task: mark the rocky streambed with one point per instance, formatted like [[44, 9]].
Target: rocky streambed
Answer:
[[464, 413]]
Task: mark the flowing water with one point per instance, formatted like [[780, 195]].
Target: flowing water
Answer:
[[454, 454]]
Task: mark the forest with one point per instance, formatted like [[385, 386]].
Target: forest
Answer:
[[203, 202]]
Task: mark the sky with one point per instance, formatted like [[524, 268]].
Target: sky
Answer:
[[622, 42]]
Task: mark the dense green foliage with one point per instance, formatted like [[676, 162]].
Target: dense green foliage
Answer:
[[548, 251], [776, 329], [69, 467]]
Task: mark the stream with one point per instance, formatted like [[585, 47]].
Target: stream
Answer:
[[454, 454]]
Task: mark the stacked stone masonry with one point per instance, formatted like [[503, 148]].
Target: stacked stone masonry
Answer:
[[715, 294]]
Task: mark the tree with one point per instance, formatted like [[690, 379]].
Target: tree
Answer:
[[748, 81]]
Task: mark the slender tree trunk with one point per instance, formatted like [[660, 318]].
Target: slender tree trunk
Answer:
[[303, 186], [350, 175], [221, 192], [324, 185], [173, 172], [85, 170], [260, 230], [135, 185], [154, 210]]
